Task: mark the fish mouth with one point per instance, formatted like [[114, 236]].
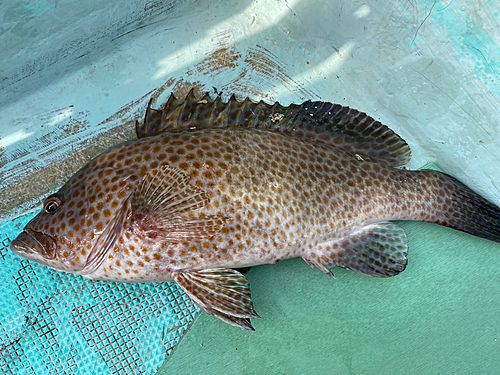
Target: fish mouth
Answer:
[[31, 242]]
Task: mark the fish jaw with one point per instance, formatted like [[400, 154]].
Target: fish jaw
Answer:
[[45, 250], [36, 246]]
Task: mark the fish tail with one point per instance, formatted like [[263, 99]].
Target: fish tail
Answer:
[[456, 206]]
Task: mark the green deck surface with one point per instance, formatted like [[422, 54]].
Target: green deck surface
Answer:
[[441, 315]]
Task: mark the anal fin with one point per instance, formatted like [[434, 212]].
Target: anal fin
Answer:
[[222, 292], [377, 250]]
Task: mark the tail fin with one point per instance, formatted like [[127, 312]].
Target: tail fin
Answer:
[[460, 208]]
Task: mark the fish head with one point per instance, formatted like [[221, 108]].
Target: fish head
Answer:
[[66, 231]]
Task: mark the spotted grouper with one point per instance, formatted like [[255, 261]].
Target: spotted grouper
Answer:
[[209, 187]]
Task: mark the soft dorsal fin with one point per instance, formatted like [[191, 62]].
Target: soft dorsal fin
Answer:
[[321, 122]]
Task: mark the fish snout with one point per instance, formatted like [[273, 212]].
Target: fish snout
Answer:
[[31, 243]]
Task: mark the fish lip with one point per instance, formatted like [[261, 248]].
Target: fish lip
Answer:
[[19, 246], [36, 243]]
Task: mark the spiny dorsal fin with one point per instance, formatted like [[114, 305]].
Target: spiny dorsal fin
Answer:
[[321, 122], [222, 292], [377, 250], [160, 200]]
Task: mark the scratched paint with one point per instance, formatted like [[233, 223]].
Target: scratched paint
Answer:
[[62, 38], [34, 165], [472, 46]]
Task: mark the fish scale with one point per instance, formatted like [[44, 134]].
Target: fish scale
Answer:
[[210, 186]]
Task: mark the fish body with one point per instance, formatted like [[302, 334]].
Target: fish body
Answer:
[[208, 187]]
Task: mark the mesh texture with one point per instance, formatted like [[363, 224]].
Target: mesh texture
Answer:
[[57, 323]]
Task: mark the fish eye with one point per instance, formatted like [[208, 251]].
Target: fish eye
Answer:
[[51, 204]]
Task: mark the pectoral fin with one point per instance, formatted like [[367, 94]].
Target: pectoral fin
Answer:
[[377, 250], [222, 292], [162, 198]]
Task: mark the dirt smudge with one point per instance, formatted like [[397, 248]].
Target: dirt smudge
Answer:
[[225, 58]]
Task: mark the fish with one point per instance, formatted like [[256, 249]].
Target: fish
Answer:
[[209, 187]]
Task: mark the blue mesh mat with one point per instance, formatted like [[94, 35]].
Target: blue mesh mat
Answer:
[[56, 323]]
